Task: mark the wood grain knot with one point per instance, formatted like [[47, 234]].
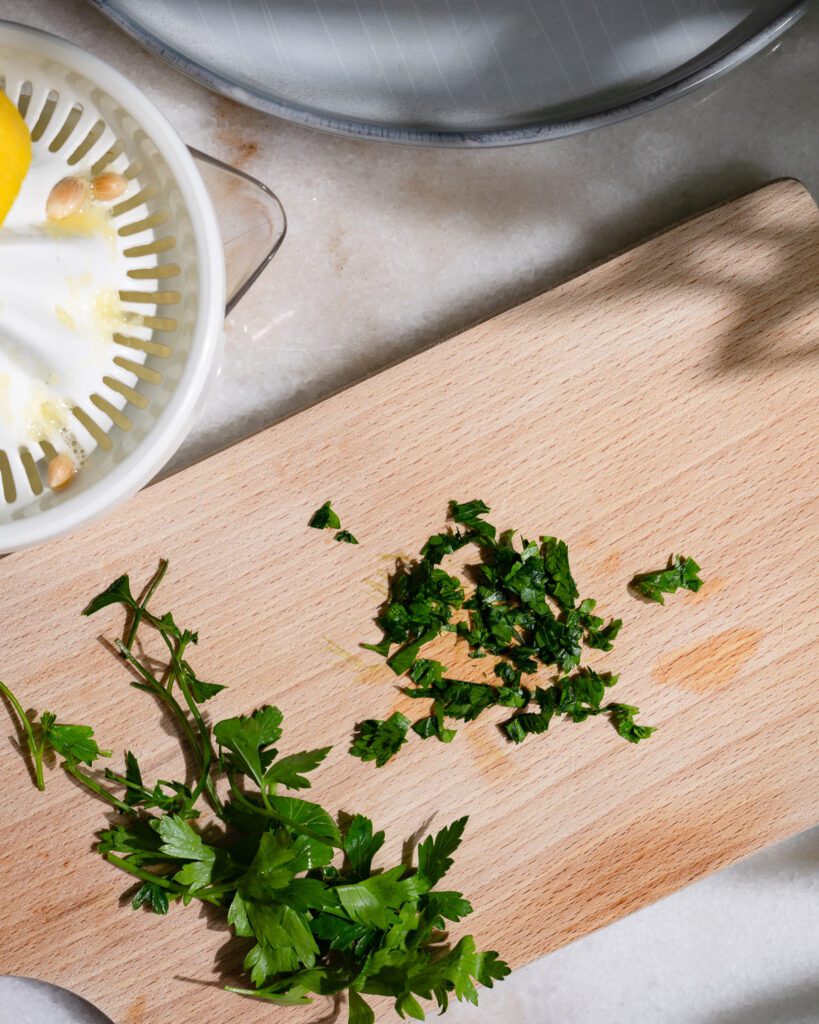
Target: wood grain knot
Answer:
[[135, 1014], [612, 563], [711, 664]]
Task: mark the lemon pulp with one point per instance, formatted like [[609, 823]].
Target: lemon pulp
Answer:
[[15, 153]]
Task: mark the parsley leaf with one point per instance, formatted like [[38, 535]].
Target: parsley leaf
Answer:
[[133, 775], [521, 726], [179, 840], [177, 798], [404, 659], [458, 971], [560, 583], [373, 901], [578, 697], [119, 592], [441, 544], [249, 738], [155, 897], [287, 771], [279, 857], [434, 854], [285, 941], [433, 726], [680, 572], [422, 600], [305, 818], [341, 932], [597, 635], [622, 715], [137, 838], [457, 698], [360, 845], [444, 906], [75, 743], [325, 518], [469, 514], [359, 1011], [345, 537], [379, 740], [200, 690]]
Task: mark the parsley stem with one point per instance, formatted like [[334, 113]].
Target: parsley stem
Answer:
[[152, 685], [178, 673], [216, 891], [248, 805], [95, 787], [264, 994], [147, 876], [205, 781], [35, 748], [142, 609], [135, 787], [204, 754]]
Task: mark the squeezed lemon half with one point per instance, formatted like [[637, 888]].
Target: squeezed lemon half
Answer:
[[15, 153]]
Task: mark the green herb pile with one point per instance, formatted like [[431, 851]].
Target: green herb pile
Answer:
[[318, 918], [524, 611]]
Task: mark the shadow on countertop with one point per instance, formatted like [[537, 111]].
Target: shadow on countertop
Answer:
[[801, 1007]]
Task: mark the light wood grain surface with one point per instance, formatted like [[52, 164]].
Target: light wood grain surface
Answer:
[[666, 401]]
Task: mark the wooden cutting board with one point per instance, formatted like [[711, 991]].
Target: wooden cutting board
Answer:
[[664, 402]]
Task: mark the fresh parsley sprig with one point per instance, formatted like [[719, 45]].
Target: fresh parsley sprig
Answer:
[[317, 916], [75, 743], [181, 680]]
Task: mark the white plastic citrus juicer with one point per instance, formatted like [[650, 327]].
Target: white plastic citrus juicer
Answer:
[[127, 401]]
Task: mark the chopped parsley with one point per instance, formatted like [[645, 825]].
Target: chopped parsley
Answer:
[[345, 537], [680, 574], [579, 697], [524, 611], [422, 600], [379, 740], [316, 916], [325, 518]]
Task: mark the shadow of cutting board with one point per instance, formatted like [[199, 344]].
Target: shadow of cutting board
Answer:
[[664, 402]]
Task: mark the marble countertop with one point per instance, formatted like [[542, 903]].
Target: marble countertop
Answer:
[[389, 250]]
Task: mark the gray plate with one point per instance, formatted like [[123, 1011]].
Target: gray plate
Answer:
[[453, 72]]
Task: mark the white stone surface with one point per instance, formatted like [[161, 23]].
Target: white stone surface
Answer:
[[391, 249]]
